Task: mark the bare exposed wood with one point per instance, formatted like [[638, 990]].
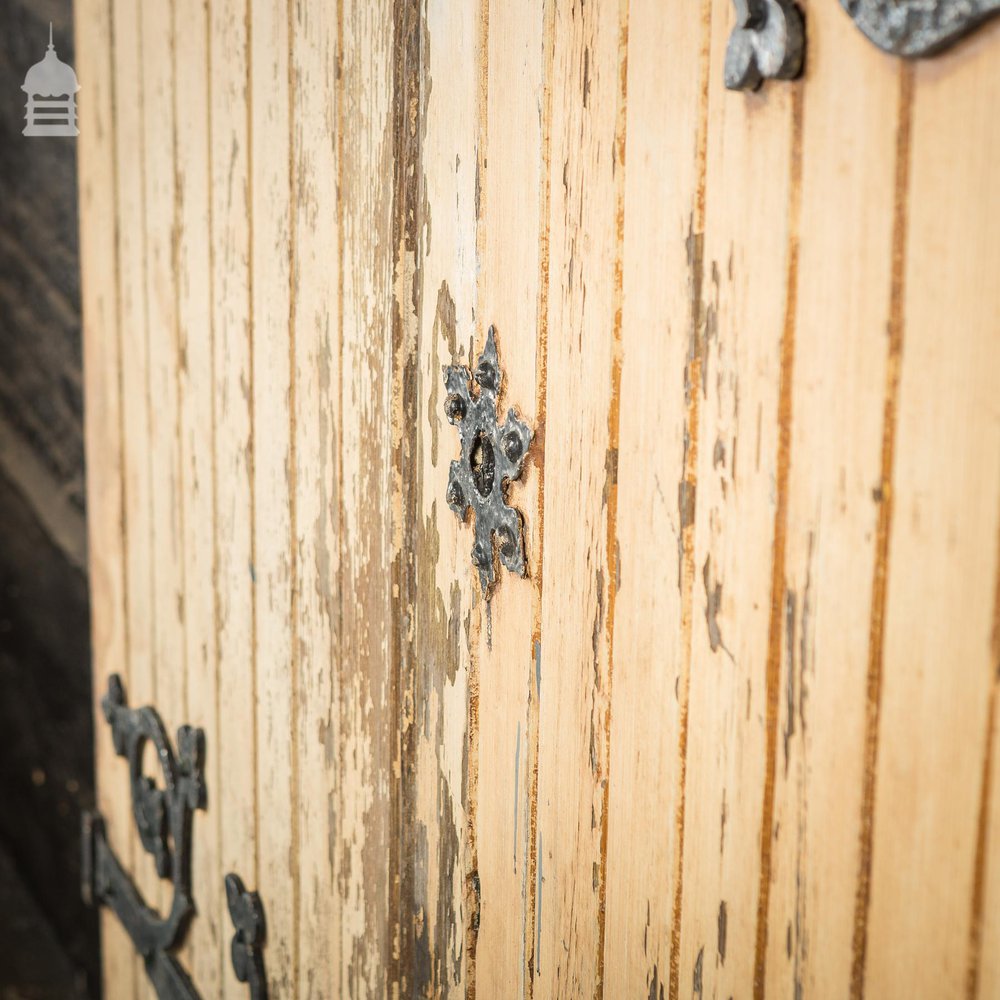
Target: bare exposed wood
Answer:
[[512, 181], [196, 387], [938, 662], [106, 523], [365, 149], [664, 218], [737, 726], [235, 816], [839, 383]]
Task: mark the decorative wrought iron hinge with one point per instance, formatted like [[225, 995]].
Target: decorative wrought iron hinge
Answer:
[[163, 817], [767, 42], [492, 456], [912, 28]]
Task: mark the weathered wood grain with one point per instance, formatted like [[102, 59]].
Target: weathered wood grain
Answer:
[[274, 484], [438, 47], [847, 227], [663, 327], [314, 40], [738, 724], [586, 184], [104, 432], [233, 808], [193, 234], [167, 496], [938, 664], [745, 268], [983, 970], [368, 742], [135, 370], [511, 247]]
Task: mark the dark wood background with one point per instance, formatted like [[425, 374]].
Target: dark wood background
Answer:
[[48, 939]]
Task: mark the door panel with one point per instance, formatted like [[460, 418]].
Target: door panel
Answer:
[[733, 734]]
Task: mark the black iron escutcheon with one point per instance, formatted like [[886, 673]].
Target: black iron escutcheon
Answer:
[[492, 456], [163, 818]]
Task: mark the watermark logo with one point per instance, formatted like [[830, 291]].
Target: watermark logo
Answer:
[[51, 87]]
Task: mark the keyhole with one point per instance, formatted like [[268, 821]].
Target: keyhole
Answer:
[[483, 462]]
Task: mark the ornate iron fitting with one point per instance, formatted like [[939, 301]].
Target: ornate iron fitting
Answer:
[[247, 914], [768, 42], [912, 28], [163, 817], [492, 456]]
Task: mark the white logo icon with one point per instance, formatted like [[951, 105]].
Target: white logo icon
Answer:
[[51, 87]]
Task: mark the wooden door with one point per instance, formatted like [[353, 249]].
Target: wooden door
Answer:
[[734, 733]]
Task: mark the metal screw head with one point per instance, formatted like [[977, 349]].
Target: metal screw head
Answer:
[[454, 408], [512, 446]]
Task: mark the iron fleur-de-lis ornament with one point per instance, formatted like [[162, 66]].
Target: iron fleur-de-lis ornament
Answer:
[[492, 456]]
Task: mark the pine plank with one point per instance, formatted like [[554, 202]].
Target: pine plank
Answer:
[[192, 261], [434, 241], [137, 464], [765, 759], [938, 667], [661, 328], [365, 153], [315, 294], [102, 348], [166, 492], [235, 795], [741, 364], [513, 186], [849, 161], [274, 484], [586, 182]]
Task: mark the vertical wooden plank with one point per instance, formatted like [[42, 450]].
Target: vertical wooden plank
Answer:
[[365, 150], [438, 52], [139, 568], [983, 969], [235, 794], [317, 375], [741, 365], [661, 334], [586, 178], [166, 495], [512, 179], [274, 488], [982, 978], [98, 193], [938, 668], [195, 370], [848, 220], [408, 215]]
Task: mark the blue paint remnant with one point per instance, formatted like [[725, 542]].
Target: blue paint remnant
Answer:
[[538, 667], [517, 779], [253, 572]]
